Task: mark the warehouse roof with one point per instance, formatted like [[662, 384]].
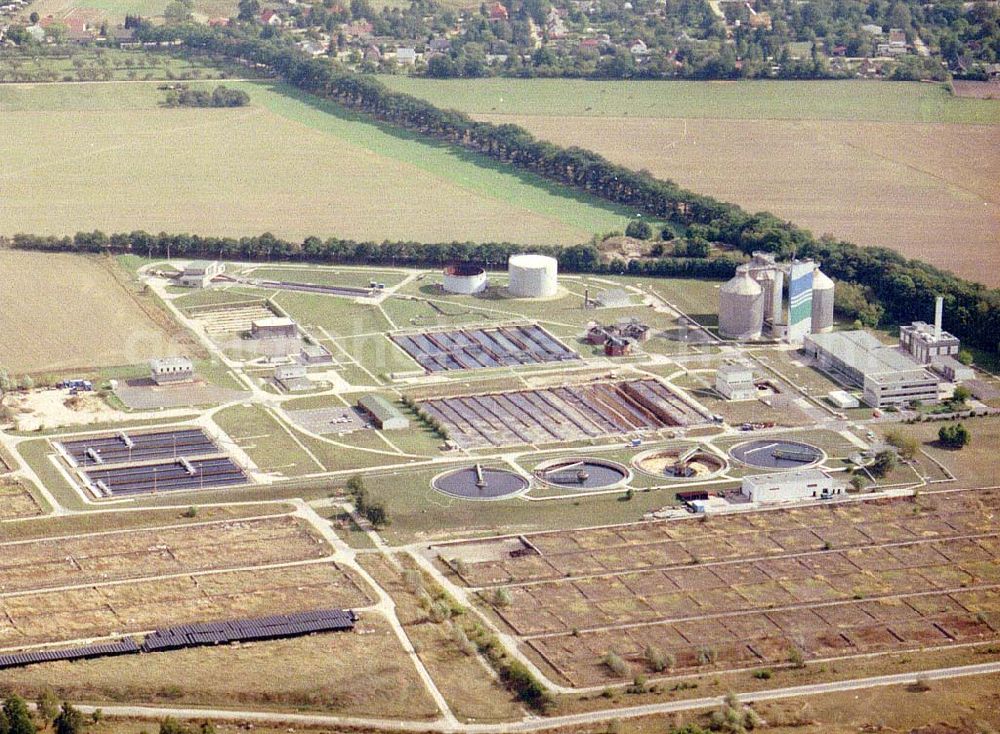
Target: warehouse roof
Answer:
[[379, 407], [863, 352], [804, 475]]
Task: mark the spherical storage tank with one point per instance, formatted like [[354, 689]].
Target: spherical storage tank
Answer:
[[822, 303], [532, 276], [741, 306], [464, 278]]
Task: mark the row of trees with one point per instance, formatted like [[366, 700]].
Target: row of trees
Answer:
[[374, 512], [15, 718], [221, 96], [584, 258]]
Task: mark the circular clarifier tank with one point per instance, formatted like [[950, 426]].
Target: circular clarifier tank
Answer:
[[685, 462], [777, 454], [583, 473], [478, 482]]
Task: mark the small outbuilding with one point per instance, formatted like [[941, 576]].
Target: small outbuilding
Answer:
[[274, 327], [199, 273], [384, 414], [292, 377], [734, 381], [169, 370], [843, 399]]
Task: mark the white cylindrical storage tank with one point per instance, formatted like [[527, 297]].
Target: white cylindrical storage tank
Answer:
[[465, 278], [822, 303], [532, 276], [741, 306]]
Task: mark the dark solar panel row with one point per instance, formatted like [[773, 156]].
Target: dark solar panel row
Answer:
[[262, 628], [144, 447], [440, 351], [126, 646], [197, 635]]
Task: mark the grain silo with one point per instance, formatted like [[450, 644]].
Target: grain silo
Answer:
[[741, 306], [532, 276], [466, 278], [822, 303]]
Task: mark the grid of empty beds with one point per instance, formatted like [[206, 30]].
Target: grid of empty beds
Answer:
[[275, 627], [567, 413], [127, 463], [470, 349]]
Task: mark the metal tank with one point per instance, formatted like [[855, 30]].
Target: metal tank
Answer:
[[532, 276], [465, 278], [822, 303], [741, 306]]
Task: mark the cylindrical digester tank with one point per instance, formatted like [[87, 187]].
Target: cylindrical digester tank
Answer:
[[532, 276], [822, 303], [741, 306], [464, 278]]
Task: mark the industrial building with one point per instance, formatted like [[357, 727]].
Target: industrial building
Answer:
[[532, 276], [199, 273], [626, 328], [888, 376], [274, 327], [464, 278], [927, 343], [952, 370], [168, 370], [790, 486], [750, 304], [315, 354], [292, 377], [842, 399], [384, 414], [734, 381]]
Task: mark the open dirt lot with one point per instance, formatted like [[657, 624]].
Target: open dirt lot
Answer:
[[138, 606], [61, 312], [364, 672], [925, 190], [136, 554], [747, 590], [16, 501]]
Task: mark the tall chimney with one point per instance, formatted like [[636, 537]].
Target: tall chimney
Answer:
[[938, 308]]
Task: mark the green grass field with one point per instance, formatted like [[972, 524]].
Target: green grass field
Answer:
[[748, 100], [288, 164]]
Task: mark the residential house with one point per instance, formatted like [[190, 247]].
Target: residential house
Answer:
[[439, 45], [313, 48], [373, 54], [498, 12], [271, 18], [406, 55], [639, 48]]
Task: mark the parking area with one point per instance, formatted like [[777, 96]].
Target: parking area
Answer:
[[560, 414], [329, 420], [144, 394], [469, 349]]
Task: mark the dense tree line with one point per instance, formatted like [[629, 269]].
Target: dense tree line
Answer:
[[221, 96], [905, 288]]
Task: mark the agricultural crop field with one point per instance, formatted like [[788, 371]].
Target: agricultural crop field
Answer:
[[16, 501], [893, 165], [218, 171], [115, 11], [751, 590], [72, 312]]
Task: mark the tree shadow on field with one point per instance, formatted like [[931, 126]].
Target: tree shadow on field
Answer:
[[466, 156]]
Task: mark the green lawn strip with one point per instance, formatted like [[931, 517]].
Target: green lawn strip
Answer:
[[746, 100], [266, 442], [467, 170]]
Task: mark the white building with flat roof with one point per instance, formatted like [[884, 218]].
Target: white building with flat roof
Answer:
[[888, 375], [171, 369], [199, 273], [734, 381], [927, 342], [790, 486]]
